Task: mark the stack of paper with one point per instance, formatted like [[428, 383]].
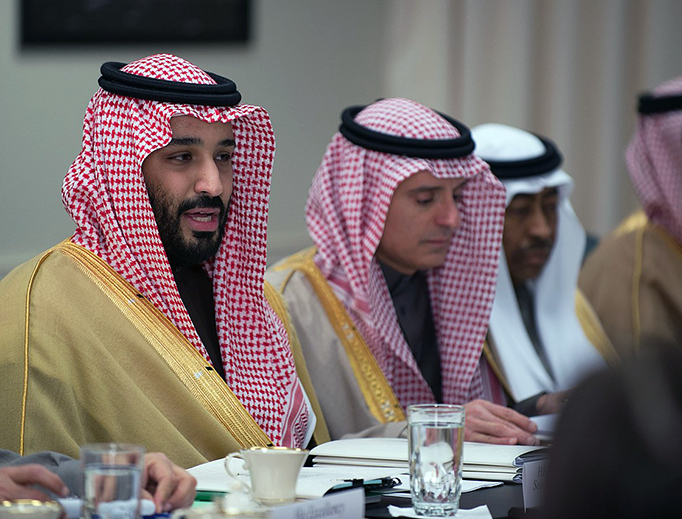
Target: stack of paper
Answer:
[[481, 460], [498, 462]]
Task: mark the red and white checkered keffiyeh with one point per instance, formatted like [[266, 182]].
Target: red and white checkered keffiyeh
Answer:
[[654, 158], [105, 194], [346, 212]]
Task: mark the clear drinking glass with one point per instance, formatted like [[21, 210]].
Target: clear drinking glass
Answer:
[[435, 439], [111, 480]]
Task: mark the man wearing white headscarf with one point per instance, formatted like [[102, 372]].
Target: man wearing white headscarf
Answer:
[[543, 336], [150, 325], [392, 304], [634, 277]]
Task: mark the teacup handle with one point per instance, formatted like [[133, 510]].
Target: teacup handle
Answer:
[[234, 477]]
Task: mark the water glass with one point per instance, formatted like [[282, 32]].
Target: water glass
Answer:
[[111, 480], [435, 439]]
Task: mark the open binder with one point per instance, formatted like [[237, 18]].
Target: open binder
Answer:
[[480, 460]]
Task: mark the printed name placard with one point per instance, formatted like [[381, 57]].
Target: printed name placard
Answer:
[[340, 505], [534, 476]]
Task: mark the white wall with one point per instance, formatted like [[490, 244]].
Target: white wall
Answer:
[[568, 69], [306, 61]]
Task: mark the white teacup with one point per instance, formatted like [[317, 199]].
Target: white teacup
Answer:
[[273, 472]]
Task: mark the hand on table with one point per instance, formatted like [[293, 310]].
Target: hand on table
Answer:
[[165, 483], [491, 423], [17, 483], [551, 403]]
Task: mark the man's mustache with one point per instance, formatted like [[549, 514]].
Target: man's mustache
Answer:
[[202, 202], [537, 245]]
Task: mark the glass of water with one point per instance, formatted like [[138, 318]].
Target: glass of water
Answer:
[[111, 480], [435, 438]]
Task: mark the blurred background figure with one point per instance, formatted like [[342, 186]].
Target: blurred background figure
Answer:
[[634, 278], [617, 450]]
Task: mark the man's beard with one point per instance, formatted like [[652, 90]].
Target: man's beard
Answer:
[[518, 260], [180, 252]]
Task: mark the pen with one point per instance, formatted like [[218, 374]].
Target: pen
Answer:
[[369, 485], [382, 483], [208, 495]]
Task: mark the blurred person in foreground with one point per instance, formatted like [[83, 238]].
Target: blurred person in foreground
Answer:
[[45, 474], [634, 277], [152, 324], [544, 336], [392, 304], [617, 450]]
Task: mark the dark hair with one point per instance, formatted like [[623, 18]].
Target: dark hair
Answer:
[[618, 444]]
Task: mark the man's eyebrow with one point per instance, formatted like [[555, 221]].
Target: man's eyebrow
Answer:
[[423, 189], [438, 187], [524, 196], [551, 193], [196, 141], [185, 141]]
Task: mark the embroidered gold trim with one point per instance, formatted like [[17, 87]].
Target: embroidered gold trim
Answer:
[[494, 365], [593, 329], [636, 280], [173, 347], [635, 221], [376, 390], [638, 223], [669, 240]]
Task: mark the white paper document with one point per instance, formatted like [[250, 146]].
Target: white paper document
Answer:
[[546, 424], [313, 482]]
